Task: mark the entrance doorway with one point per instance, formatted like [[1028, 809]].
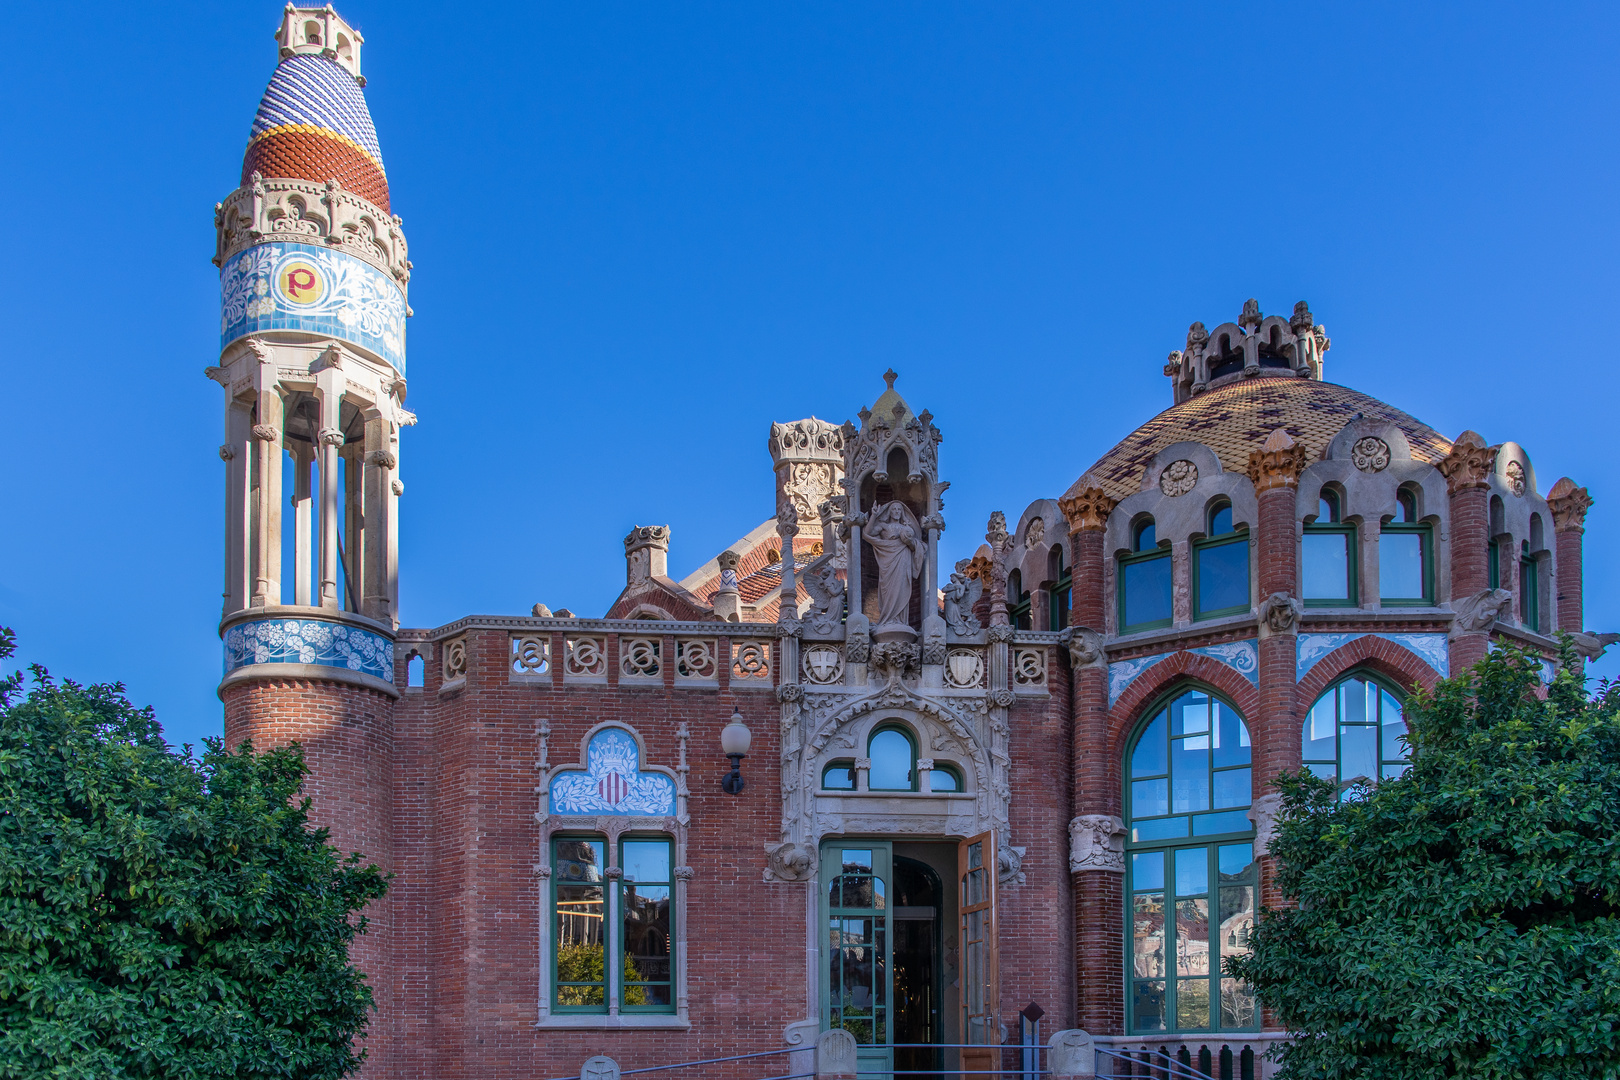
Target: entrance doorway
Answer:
[[889, 951]]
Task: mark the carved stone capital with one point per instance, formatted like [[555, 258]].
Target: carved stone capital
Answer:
[[684, 873], [613, 873], [1568, 504], [1277, 463], [789, 692], [995, 533], [266, 432], [382, 459], [1002, 632], [1001, 698], [1097, 842], [330, 437], [1086, 506], [653, 536], [1470, 463], [863, 763], [542, 871], [925, 763]]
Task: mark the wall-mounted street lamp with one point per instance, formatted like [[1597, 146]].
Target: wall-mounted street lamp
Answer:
[[735, 739]]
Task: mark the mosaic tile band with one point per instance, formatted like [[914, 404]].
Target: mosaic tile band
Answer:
[[309, 641], [1242, 657], [281, 286], [1432, 649], [612, 782]]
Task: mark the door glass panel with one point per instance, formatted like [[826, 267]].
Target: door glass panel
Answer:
[[1192, 937], [1192, 1003], [646, 860], [1192, 871], [646, 945], [1147, 1005], [1147, 870], [1237, 1004]]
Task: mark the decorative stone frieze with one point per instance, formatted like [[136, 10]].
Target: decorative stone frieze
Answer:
[[531, 654], [306, 211], [1515, 477], [1277, 463], [1569, 505], [1097, 842], [1469, 464]]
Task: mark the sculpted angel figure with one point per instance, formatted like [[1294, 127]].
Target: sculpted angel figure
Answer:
[[896, 540]]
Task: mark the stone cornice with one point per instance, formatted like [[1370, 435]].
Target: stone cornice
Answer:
[[628, 627], [305, 212], [1469, 465]]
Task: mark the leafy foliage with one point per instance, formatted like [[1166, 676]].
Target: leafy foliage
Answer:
[[1460, 921], [163, 915]]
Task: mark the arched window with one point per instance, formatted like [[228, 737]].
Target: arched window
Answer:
[[1355, 731], [1017, 601], [894, 760], [643, 948], [1494, 542], [1529, 590], [944, 777], [1062, 588], [1192, 874], [1220, 566], [1328, 563], [1143, 581], [839, 776], [1406, 555]]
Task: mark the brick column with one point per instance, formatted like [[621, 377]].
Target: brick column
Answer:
[[1467, 470], [1569, 504], [1274, 470], [1098, 886]]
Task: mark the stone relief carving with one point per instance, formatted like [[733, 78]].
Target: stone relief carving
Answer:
[[791, 862], [1515, 477], [1073, 1052], [1085, 647], [1592, 646], [826, 591], [1281, 612], [1479, 612], [1097, 842], [1264, 815], [600, 1067], [297, 210], [896, 540], [896, 659], [857, 640], [1370, 454], [1034, 533], [823, 665], [964, 669], [961, 593], [1178, 478]]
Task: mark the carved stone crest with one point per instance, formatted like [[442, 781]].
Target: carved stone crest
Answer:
[[790, 861], [1072, 1052], [964, 669], [600, 1067], [1370, 454], [1097, 842], [1178, 478], [823, 665], [1515, 477]]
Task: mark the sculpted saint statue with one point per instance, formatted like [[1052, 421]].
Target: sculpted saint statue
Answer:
[[896, 540]]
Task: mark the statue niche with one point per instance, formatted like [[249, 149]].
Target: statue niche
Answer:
[[894, 548]]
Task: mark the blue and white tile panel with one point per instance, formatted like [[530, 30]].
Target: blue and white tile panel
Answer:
[[1432, 649], [318, 92], [281, 286], [612, 782], [1242, 657], [309, 641]]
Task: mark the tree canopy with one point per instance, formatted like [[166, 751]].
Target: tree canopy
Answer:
[[161, 914], [1460, 921]]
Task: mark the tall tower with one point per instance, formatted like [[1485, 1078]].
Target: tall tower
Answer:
[[313, 276]]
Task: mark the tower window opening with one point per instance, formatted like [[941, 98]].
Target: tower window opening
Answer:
[[414, 670], [312, 33], [1017, 601]]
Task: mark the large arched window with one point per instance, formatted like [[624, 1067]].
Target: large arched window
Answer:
[[1192, 874], [894, 760], [1355, 731]]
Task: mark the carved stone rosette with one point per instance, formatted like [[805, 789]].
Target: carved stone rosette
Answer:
[[1469, 464], [1569, 505], [1087, 506], [1277, 463]]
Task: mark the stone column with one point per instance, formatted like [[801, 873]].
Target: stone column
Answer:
[[1569, 504], [379, 473], [787, 527], [267, 498], [1274, 469], [1097, 884], [329, 385], [236, 452], [1467, 470], [302, 455]]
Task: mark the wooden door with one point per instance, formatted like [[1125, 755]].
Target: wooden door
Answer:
[[976, 870]]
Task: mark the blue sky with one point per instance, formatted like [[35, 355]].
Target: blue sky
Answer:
[[643, 232]]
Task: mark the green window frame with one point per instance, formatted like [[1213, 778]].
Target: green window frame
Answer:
[[1148, 565], [1225, 547], [1322, 541], [1062, 592], [1357, 726], [950, 771], [602, 925], [1017, 601], [1493, 563], [832, 781], [1529, 590], [1193, 883], [882, 776], [1406, 525]]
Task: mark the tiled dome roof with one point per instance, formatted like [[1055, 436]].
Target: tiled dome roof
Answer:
[[1234, 420], [313, 124]]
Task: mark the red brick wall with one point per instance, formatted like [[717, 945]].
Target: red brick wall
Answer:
[[1275, 728], [1570, 584], [1470, 565]]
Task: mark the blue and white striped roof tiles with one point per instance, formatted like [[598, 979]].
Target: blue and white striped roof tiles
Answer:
[[317, 92]]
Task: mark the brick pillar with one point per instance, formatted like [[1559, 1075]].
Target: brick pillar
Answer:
[[1467, 470], [1274, 469], [1098, 885], [1569, 504]]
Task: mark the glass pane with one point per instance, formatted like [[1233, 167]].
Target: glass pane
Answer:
[[943, 780], [1223, 576], [838, 778], [1192, 1003], [1400, 565], [1237, 1004], [1358, 751], [1147, 870], [1160, 829], [856, 860], [1235, 859], [1237, 919], [1149, 760], [1392, 771], [1230, 821], [1231, 737], [1189, 774], [1150, 798], [646, 939], [974, 884], [646, 860], [1232, 788], [1393, 728], [1189, 714], [579, 860], [1353, 702], [1147, 935], [1146, 537], [1220, 523], [1147, 1005], [1192, 872], [891, 762], [1321, 726], [1327, 566], [1147, 590], [1325, 769]]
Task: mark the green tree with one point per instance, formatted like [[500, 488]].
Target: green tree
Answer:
[[163, 915], [1460, 921]]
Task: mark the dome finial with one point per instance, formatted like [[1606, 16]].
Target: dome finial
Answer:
[[889, 377], [320, 31]]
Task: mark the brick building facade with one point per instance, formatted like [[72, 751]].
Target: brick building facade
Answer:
[[1041, 775]]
